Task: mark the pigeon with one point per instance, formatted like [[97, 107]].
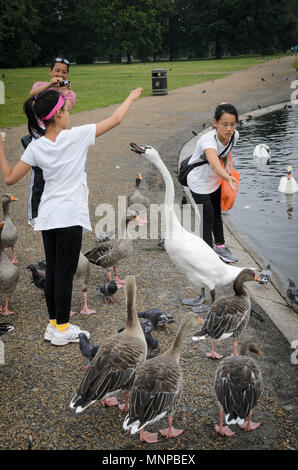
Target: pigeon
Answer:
[[157, 317], [194, 132], [5, 328], [292, 294], [152, 343], [265, 276], [42, 264], [263, 79], [38, 277], [87, 349], [203, 91], [108, 290], [148, 327]]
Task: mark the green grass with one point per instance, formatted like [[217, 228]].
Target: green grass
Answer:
[[100, 85]]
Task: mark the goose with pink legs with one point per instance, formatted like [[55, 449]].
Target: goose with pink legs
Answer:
[[238, 386], [114, 366], [229, 315], [157, 389]]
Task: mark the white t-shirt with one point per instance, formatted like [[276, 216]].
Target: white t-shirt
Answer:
[[64, 201], [203, 179]]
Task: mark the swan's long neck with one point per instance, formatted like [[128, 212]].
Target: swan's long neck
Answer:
[[171, 219], [170, 192]]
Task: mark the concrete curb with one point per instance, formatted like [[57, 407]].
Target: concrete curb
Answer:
[[271, 300]]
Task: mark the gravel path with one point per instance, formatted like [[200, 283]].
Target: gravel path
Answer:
[[38, 380]]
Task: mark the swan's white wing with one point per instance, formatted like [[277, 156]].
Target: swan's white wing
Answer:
[[196, 259]]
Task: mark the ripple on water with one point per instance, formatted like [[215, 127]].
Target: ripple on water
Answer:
[[268, 217]]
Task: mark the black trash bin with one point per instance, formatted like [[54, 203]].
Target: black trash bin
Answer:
[[159, 82]]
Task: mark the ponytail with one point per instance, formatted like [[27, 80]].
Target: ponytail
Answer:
[[33, 124], [39, 107]]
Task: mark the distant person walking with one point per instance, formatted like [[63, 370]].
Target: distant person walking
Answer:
[[63, 212]]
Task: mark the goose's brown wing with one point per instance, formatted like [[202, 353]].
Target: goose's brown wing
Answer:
[[238, 385], [156, 390], [112, 368], [227, 315]]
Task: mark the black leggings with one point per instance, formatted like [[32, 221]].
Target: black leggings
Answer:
[[62, 249], [212, 221]]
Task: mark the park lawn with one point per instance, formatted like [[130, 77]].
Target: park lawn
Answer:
[[100, 85]]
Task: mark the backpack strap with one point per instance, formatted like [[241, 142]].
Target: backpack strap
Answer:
[[230, 144]]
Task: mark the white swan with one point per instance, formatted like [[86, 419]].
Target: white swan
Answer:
[[262, 153], [189, 252], [287, 184]]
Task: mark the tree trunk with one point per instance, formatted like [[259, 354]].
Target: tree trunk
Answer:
[[218, 48], [128, 57]]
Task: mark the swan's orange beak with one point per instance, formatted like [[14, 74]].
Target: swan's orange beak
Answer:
[[256, 278], [12, 198]]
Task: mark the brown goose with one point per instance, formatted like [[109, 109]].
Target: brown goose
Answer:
[[137, 197], [116, 361], [238, 386], [228, 316], [108, 253], [82, 276], [9, 277], [9, 233], [157, 388]]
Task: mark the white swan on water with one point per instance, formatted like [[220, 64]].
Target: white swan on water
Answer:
[[262, 153], [288, 184], [189, 252]]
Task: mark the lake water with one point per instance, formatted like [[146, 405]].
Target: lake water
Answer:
[[268, 217]]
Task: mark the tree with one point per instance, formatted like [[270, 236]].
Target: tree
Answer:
[[18, 23], [208, 22], [129, 27]]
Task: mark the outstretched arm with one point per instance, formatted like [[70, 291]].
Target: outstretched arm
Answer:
[[116, 118], [11, 175]]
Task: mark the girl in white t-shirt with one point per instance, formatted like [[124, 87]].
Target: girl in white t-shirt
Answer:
[[205, 181], [63, 212]]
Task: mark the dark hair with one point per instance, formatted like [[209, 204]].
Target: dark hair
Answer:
[[225, 108], [39, 107]]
